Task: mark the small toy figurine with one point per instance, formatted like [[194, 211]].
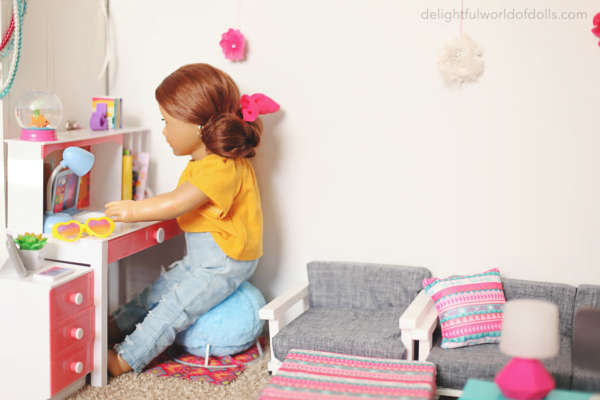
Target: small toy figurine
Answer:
[[39, 120], [98, 120], [73, 125]]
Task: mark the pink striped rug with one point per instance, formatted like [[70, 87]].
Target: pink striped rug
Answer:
[[319, 375]]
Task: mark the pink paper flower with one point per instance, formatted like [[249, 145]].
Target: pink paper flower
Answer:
[[233, 44], [596, 29]]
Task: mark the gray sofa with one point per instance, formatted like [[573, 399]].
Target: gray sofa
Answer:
[[350, 308], [375, 310], [456, 366]]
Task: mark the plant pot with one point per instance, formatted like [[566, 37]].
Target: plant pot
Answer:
[[32, 259]]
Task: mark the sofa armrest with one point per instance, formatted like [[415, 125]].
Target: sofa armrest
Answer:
[[417, 324], [273, 312], [417, 310], [277, 307], [424, 333]]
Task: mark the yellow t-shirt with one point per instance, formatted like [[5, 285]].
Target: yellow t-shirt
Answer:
[[233, 214]]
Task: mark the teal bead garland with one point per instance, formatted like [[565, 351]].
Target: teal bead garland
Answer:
[[22, 9]]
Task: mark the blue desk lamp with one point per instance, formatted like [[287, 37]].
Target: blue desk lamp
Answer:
[[80, 162]]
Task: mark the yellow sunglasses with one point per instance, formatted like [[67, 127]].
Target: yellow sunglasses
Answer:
[[72, 230]]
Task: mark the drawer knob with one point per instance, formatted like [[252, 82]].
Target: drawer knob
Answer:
[[77, 367], [76, 298], [77, 333], [159, 235]]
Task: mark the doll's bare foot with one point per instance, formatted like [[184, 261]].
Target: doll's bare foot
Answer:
[[114, 333], [116, 365]]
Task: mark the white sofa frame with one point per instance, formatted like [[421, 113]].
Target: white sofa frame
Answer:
[[423, 333], [273, 312], [416, 324]]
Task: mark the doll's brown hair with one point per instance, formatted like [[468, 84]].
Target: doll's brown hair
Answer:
[[204, 95]]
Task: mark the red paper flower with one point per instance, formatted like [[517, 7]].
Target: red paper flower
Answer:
[[596, 29], [233, 44]]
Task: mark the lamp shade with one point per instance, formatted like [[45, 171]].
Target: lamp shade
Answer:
[[77, 160], [530, 329]]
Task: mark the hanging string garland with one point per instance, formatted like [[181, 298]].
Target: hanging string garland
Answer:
[[19, 9], [232, 42], [460, 61]]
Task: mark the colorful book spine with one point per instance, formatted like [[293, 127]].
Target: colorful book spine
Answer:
[[114, 109], [126, 188]]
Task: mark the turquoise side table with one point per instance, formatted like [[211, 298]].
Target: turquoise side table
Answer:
[[482, 390]]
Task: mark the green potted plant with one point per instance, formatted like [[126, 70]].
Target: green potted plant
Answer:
[[31, 250]]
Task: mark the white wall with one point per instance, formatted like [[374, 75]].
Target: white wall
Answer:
[[371, 159]]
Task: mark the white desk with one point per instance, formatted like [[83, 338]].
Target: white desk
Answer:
[[98, 254], [25, 199]]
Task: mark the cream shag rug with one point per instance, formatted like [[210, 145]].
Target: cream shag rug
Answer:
[[132, 386]]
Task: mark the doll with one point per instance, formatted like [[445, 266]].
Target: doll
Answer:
[[216, 203]]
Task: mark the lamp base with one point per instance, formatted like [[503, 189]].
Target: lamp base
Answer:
[[38, 135], [51, 219], [524, 379]]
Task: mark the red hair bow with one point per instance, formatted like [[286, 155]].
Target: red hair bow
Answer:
[[257, 104]]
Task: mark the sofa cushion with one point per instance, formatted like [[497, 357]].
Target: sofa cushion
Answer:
[[583, 380], [360, 285], [359, 332], [558, 293], [469, 308], [455, 366]]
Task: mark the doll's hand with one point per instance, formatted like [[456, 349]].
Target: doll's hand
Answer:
[[122, 211]]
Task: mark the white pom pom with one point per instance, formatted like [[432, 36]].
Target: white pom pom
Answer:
[[459, 61]]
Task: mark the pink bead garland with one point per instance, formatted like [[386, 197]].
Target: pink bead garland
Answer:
[[11, 28]]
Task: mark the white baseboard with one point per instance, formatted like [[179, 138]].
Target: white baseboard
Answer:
[[448, 392]]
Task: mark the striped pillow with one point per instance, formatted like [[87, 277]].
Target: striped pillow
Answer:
[[469, 308]]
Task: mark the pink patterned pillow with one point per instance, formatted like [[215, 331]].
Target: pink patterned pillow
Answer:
[[469, 308]]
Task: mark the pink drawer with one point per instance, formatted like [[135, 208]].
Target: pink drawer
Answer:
[[123, 246], [71, 366], [74, 330], [71, 297]]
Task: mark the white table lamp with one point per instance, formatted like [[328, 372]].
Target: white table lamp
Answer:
[[79, 161], [529, 333]]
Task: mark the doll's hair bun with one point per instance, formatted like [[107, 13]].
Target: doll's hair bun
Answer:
[[228, 135]]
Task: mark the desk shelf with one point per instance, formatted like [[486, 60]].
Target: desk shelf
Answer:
[[80, 137], [25, 171]]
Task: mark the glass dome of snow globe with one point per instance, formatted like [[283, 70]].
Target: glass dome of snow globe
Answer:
[[39, 113]]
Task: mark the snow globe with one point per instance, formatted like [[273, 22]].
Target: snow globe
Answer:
[[39, 113]]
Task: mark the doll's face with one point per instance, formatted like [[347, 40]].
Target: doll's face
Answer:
[[181, 136]]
